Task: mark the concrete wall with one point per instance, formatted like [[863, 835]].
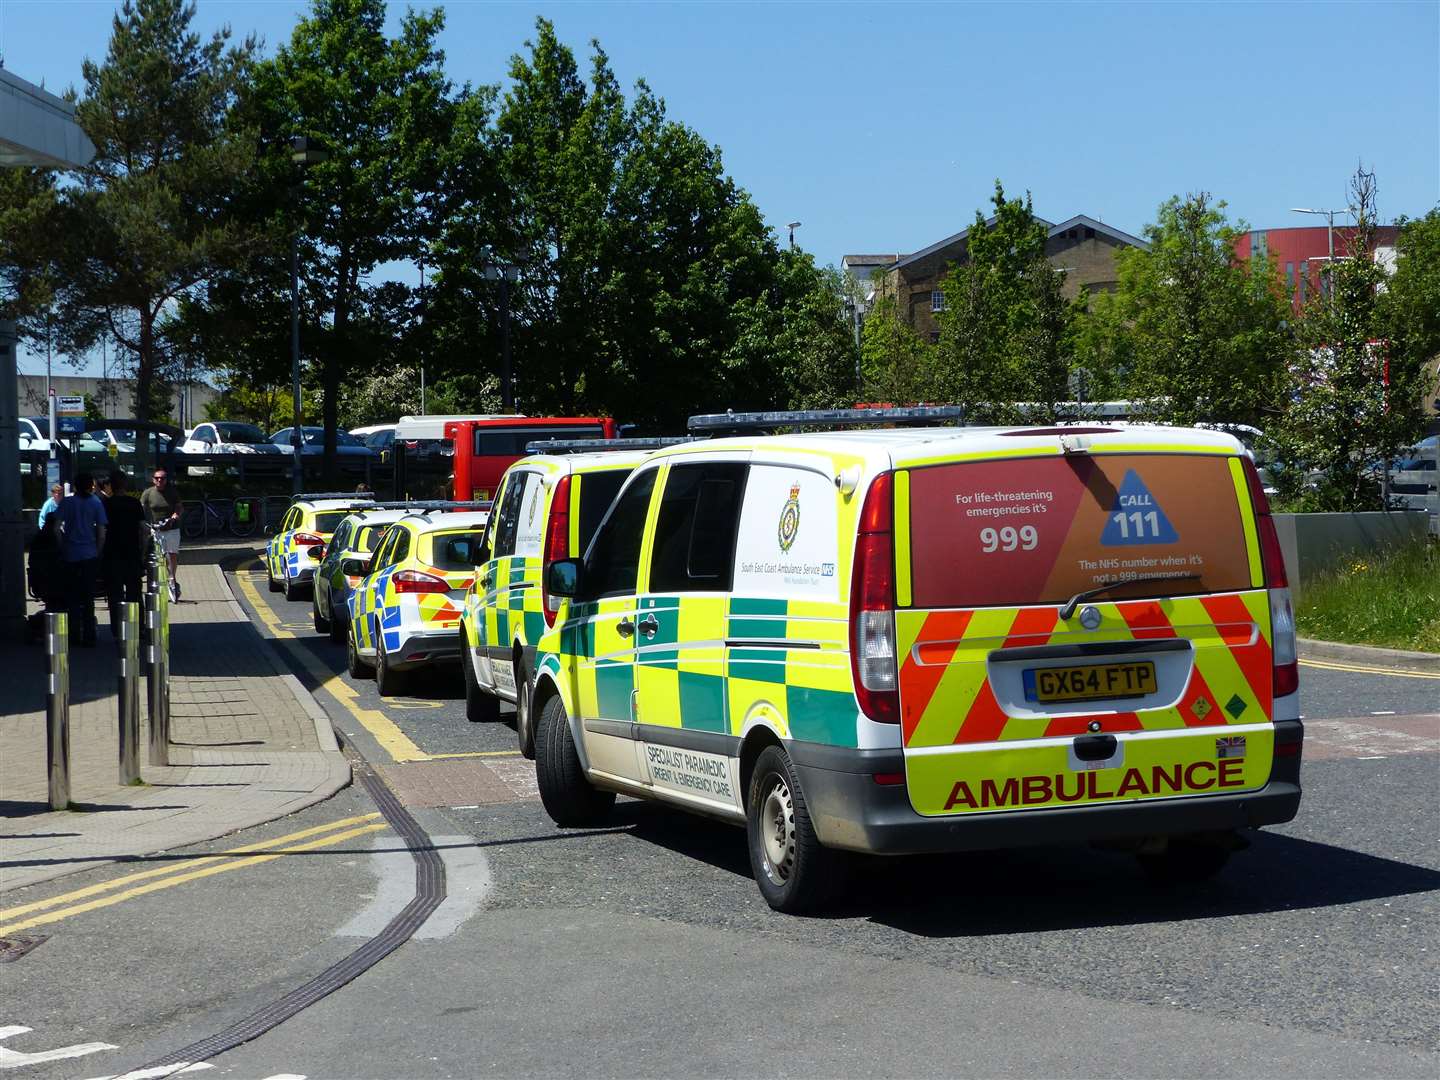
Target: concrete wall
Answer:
[[1313, 543]]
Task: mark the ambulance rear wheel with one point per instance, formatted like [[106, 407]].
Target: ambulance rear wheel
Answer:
[[795, 872], [567, 796], [1185, 862], [480, 707], [524, 717]]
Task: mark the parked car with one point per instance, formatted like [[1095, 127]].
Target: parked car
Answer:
[[35, 435], [229, 437], [346, 445]]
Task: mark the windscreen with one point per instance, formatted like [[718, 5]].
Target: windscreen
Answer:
[[1037, 531], [242, 433]]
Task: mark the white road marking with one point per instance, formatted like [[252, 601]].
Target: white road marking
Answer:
[[1383, 712], [468, 882], [15, 1059], [177, 1069]]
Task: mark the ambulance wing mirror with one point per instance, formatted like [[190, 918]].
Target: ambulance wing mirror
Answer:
[[562, 578]]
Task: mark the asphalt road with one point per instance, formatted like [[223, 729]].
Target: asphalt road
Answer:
[[644, 948]]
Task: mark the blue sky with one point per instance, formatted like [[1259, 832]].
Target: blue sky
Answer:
[[883, 126]]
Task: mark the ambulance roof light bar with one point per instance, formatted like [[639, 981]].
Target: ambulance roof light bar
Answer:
[[726, 422], [592, 446], [351, 496]]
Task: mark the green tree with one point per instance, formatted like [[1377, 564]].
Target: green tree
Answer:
[[144, 227], [1006, 334], [1200, 335], [1355, 394], [382, 110], [1410, 306], [897, 365]]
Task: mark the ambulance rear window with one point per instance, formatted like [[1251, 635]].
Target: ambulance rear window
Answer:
[[1037, 531]]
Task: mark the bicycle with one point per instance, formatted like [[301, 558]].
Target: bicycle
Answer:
[[239, 516]]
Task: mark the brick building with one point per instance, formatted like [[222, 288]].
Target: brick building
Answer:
[[1082, 246]]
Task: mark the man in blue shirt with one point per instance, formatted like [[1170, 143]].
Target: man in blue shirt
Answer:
[[57, 492], [81, 521]]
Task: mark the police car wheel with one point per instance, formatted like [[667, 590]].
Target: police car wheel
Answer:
[[480, 707], [387, 679], [795, 872], [322, 624], [357, 667], [270, 577], [337, 625], [524, 718], [567, 796], [292, 588], [1185, 862]]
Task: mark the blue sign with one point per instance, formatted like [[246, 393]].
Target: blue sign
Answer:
[[1136, 518]]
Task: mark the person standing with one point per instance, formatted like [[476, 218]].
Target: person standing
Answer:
[[121, 560], [80, 520], [57, 492], [162, 509]]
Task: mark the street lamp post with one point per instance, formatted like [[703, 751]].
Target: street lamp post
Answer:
[[792, 226], [303, 153], [1329, 215], [505, 273]]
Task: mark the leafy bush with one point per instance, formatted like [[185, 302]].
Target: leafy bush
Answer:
[[1390, 599]]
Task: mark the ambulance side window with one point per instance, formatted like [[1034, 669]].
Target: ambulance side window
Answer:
[[509, 515], [401, 550], [695, 532], [613, 562]]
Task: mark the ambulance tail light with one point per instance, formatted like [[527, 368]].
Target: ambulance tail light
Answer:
[[417, 581], [557, 543], [1282, 614], [872, 606], [304, 539]]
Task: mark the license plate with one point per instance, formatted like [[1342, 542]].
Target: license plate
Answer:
[[1091, 682]]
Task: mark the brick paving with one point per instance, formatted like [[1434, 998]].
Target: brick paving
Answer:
[[249, 745]]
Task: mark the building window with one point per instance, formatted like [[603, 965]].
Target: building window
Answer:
[[1259, 245], [937, 300], [1290, 277], [1304, 281]]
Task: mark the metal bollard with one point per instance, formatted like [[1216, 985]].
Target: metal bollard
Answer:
[[156, 676], [130, 693], [57, 709]]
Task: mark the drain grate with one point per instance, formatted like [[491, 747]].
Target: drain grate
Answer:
[[12, 949]]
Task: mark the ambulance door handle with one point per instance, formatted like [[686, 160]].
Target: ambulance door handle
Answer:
[[648, 626], [625, 628]]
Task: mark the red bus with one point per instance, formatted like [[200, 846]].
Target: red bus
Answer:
[[486, 446]]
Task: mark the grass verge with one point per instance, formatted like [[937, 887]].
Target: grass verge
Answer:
[[1390, 599]]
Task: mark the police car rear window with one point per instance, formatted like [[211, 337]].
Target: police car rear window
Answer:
[[1035, 531], [369, 537], [456, 551], [326, 520]]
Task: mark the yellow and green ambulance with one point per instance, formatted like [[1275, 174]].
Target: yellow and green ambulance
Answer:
[[930, 639]]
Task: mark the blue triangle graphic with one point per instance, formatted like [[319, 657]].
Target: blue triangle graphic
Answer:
[[1123, 528]]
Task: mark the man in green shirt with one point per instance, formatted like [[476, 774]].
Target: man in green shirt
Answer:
[[162, 509]]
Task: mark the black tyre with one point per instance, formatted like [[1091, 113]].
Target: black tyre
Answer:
[[337, 624], [292, 589], [270, 581], [524, 716], [388, 681], [480, 707], [322, 624], [358, 668], [1185, 861], [568, 797], [795, 872], [192, 523]]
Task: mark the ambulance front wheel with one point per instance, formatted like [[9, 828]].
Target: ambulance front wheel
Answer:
[[1186, 860], [567, 796], [480, 707], [795, 872]]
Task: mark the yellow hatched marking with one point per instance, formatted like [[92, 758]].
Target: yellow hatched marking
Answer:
[[1218, 664], [902, 538], [964, 676], [1258, 604], [191, 875], [1247, 521]]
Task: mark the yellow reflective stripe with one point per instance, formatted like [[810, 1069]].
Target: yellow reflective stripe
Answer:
[[1247, 521], [574, 511], [647, 543], [984, 455], [1158, 448], [902, 538]]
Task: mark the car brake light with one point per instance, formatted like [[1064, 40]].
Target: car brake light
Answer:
[[557, 544], [417, 581], [872, 606], [1282, 615], [304, 539]]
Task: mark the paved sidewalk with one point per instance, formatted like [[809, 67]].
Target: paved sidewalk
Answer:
[[249, 744]]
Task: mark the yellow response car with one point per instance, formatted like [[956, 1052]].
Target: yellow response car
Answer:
[[930, 639], [306, 527], [404, 612], [547, 508]]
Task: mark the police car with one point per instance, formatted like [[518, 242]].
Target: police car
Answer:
[[356, 537], [929, 639], [404, 611], [290, 554], [547, 508]]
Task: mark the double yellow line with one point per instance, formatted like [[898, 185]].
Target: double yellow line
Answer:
[[1365, 669], [93, 897], [386, 732]]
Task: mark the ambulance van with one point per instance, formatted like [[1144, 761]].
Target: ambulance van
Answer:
[[928, 640]]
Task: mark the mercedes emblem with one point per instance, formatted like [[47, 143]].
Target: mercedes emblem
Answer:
[[1090, 617]]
